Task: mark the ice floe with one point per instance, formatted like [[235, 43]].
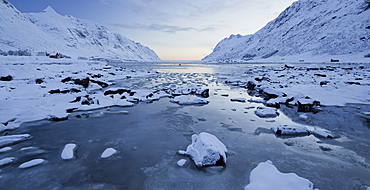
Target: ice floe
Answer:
[[181, 162], [108, 153], [262, 111], [68, 151], [31, 163], [6, 161], [267, 177], [188, 100], [206, 150], [13, 139]]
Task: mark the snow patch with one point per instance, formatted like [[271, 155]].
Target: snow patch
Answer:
[[108, 153], [68, 151]]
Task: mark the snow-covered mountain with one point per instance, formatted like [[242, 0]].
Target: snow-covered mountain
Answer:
[[308, 27], [48, 31]]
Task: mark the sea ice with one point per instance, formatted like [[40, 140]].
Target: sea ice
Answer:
[[290, 130], [68, 151], [5, 149], [108, 153], [188, 100], [206, 150], [267, 177], [181, 162], [31, 163], [266, 112], [12, 139], [6, 161]]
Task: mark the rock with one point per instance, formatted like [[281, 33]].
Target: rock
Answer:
[[83, 82], [238, 99], [203, 92], [108, 153], [324, 134], [251, 85], [271, 93], [100, 83], [290, 130], [13, 139], [68, 151], [39, 81], [31, 163], [325, 148], [7, 78], [266, 112], [267, 177], [206, 150], [309, 107]]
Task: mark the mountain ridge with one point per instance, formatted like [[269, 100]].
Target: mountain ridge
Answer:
[[314, 27], [48, 31]]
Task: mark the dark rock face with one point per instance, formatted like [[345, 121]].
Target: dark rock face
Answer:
[[7, 78]]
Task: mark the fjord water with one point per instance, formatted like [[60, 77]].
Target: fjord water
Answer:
[[148, 137]]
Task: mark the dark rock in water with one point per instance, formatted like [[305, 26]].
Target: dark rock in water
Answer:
[[66, 79], [83, 82], [7, 78], [102, 84], [76, 100], [309, 107], [203, 92], [320, 75], [39, 81], [70, 110], [251, 85], [53, 118], [118, 91], [58, 91]]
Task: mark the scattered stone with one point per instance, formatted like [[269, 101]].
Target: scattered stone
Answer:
[[206, 150], [68, 151], [290, 130], [31, 163]]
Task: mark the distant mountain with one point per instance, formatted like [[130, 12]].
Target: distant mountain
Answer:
[[48, 31], [311, 27]]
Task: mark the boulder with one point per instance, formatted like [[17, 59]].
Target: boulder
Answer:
[[290, 130], [206, 150]]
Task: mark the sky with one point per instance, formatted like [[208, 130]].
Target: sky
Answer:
[[174, 29]]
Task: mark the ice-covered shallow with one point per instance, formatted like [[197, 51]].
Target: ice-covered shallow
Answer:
[[149, 136]]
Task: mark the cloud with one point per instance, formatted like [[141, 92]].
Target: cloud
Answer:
[[165, 28]]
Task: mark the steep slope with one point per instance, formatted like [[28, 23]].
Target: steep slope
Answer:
[[51, 32], [314, 27]]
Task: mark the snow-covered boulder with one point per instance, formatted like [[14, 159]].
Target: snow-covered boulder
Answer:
[[266, 112], [12, 139], [68, 151], [290, 130], [206, 150], [267, 177], [188, 100]]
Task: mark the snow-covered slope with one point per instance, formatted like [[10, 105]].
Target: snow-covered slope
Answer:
[[48, 31], [308, 27]]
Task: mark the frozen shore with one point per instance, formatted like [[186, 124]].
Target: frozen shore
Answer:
[[229, 110]]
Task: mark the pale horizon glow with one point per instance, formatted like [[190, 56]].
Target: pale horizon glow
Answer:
[[175, 30]]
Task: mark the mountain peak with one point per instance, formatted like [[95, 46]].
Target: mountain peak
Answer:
[[49, 9]]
